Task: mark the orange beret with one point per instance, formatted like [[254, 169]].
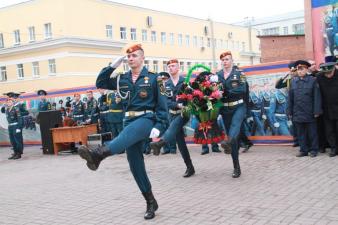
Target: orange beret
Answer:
[[89, 91], [172, 61], [134, 48], [76, 94], [225, 54]]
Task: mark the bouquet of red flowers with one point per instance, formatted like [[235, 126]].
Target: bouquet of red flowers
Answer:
[[201, 98]]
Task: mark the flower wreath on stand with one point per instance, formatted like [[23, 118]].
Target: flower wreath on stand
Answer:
[[201, 98]]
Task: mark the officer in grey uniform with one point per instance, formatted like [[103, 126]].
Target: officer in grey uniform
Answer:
[[145, 117]]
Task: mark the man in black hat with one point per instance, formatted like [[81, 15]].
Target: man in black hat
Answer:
[[15, 124], [44, 105], [304, 108], [328, 83]]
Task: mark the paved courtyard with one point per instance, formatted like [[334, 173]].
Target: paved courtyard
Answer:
[[275, 188]]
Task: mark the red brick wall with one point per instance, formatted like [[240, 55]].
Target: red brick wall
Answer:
[[277, 48]]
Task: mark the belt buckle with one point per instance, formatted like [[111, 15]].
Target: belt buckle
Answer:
[[132, 113], [231, 103]]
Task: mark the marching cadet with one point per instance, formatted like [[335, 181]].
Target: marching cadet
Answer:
[[44, 105], [177, 120], [169, 86], [305, 107], [15, 124], [103, 110], [145, 117], [115, 115], [78, 109], [91, 110], [235, 109]]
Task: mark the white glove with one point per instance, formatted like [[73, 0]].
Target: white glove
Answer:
[[88, 121], [289, 123], [180, 105], [117, 62], [154, 133], [17, 131], [264, 117], [213, 78], [249, 119], [276, 124]]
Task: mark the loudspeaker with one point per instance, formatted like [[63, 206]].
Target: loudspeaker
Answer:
[[48, 120]]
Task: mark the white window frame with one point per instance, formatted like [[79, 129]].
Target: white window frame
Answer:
[[125, 66], [182, 66], [133, 35], [202, 42], [16, 34], [171, 39], [31, 31], [48, 30], [165, 66], [209, 42], [146, 64], [153, 36], [51, 67], [123, 33], [1, 40], [3, 73], [155, 66], [109, 31], [35, 69], [187, 40], [194, 41], [180, 39], [163, 38], [144, 35], [20, 72]]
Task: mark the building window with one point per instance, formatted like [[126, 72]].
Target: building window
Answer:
[[237, 45], [133, 34], [187, 40], [220, 43], [179, 39], [171, 38], [298, 28], [201, 42], [16, 37], [189, 65], [155, 66], [1, 41], [51, 66], [226, 44], [109, 31], [153, 36], [146, 64], [285, 30], [243, 46], [48, 30], [194, 41], [3, 73], [144, 35], [123, 33], [19, 71], [35, 69], [165, 66], [232, 45], [271, 31], [31, 31], [208, 42], [163, 38], [125, 66], [182, 66]]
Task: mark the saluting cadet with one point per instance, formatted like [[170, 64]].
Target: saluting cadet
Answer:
[[145, 117], [304, 107], [15, 124], [44, 105]]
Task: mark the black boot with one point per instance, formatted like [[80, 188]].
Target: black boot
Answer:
[[12, 156], [152, 205], [333, 152], [226, 145], [237, 169], [17, 156], [189, 171], [156, 146], [94, 156]]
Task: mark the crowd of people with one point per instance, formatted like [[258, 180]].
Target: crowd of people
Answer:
[[140, 105]]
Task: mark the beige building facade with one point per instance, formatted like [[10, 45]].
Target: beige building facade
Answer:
[[49, 44]]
